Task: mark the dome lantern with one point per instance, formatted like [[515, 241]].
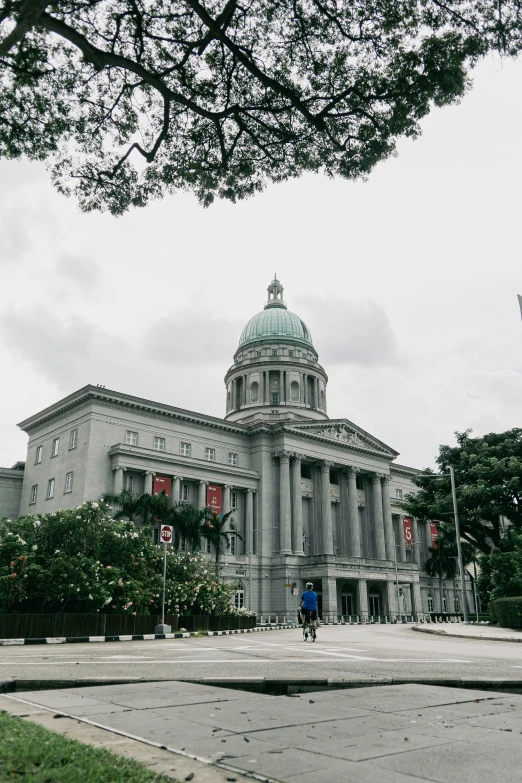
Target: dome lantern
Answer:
[[275, 294]]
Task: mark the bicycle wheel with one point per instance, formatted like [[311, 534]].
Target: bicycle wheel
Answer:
[[305, 632], [314, 635]]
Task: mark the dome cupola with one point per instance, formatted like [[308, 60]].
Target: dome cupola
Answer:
[[276, 373]]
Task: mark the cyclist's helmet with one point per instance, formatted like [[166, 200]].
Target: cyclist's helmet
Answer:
[[309, 585]]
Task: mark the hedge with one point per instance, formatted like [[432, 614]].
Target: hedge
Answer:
[[507, 612]]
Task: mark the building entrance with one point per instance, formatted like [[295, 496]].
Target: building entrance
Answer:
[[347, 604]]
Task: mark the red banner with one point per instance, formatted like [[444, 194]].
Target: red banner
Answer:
[[407, 523], [161, 483], [434, 534], [215, 498]]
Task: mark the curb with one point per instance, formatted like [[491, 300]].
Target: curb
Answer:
[[143, 637], [464, 635]]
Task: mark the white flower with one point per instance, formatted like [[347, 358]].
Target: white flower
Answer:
[[95, 505], [90, 597], [34, 547]]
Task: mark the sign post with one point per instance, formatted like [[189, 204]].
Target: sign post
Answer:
[[166, 533]]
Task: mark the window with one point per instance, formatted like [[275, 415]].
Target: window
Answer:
[[38, 456], [233, 500], [430, 604], [457, 604], [232, 540], [131, 438], [232, 459], [129, 483], [159, 443], [183, 544], [398, 494], [254, 392], [184, 449], [206, 546], [156, 536], [183, 492], [68, 482], [275, 398], [294, 391], [274, 351], [258, 353], [239, 597], [56, 447], [210, 454], [291, 353], [50, 489], [34, 493], [444, 605], [73, 439]]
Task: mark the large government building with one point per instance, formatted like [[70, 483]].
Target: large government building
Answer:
[[314, 498]]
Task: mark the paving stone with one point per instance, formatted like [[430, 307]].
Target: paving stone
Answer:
[[455, 712], [460, 761], [397, 698], [60, 699], [345, 730], [288, 761], [167, 730], [340, 771], [507, 720], [229, 747], [380, 744]]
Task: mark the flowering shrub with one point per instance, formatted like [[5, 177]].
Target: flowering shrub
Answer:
[[82, 560]]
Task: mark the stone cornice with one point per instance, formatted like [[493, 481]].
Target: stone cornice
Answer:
[[177, 462], [309, 430], [404, 470], [111, 399]]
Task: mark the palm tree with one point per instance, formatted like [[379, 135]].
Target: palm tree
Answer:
[[443, 561], [188, 523], [215, 531], [146, 508]]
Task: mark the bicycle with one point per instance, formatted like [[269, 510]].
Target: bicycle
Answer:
[[309, 630]]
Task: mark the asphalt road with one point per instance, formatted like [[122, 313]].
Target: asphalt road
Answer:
[[340, 652]]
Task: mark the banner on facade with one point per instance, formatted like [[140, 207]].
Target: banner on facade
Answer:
[[161, 483], [434, 534], [407, 523], [215, 498]]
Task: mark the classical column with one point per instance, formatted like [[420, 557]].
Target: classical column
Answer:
[[326, 508], [117, 482], [297, 507], [353, 513], [244, 389], [305, 390], [266, 384], [249, 521], [149, 475], [378, 520], [362, 599], [388, 522], [416, 543], [417, 600], [393, 599], [287, 388], [202, 494], [285, 511], [226, 498], [175, 491], [316, 393], [329, 598], [281, 388]]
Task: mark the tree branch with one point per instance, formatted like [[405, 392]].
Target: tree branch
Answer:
[[29, 15]]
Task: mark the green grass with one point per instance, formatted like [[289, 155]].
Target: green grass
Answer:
[[32, 754]]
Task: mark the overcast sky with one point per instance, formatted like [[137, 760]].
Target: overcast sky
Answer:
[[407, 282]]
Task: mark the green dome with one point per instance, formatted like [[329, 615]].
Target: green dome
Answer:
[[275, 322]]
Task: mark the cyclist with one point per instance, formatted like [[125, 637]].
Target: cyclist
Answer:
[[308, 606]]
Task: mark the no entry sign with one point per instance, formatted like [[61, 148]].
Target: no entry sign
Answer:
[[166, 534]]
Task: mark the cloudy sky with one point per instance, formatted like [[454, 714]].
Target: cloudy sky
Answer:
[[407, 282]]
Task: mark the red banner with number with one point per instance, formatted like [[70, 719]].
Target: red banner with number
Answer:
[[215, 498], [407, 523], [161, 483], [434, 534]]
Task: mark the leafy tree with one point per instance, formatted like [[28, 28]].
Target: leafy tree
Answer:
[[147, 508], [501, 570], [129, 99], [82, 560], [217, 533], [488, 477]]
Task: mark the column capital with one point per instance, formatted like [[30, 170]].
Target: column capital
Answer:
[[228, 486], [386, 479], [351, 470], [251, 491], [119, 467], [283, 456], [376, 478], [150, 473], [201, 482], [297, 458], [326, 465], [178, 478]]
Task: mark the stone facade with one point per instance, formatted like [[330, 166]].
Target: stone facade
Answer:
[[313, 498], [11, 490]]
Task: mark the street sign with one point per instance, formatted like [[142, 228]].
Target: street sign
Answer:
[[166, 534], [295, 591]]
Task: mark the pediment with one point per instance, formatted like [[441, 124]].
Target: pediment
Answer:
[[344, 433]]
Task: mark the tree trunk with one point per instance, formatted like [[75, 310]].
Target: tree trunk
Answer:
[[441, 594]]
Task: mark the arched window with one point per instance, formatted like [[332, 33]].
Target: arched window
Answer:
[[430, 604], [294, 391], [254, 392], [239, 597]]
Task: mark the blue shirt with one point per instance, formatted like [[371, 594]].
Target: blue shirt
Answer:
[[309, 599]]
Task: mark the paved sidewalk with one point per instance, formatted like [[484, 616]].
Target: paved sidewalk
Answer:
[[489, 632], [399, 734]]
